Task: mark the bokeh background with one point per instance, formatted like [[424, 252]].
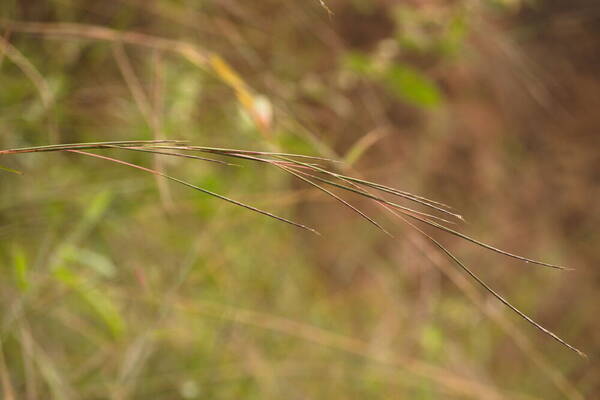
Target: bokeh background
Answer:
[[117, 285]]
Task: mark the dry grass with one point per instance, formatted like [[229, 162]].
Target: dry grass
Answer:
[[188, 298], [309, 173]]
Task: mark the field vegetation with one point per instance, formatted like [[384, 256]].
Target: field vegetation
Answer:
[[225, 199]]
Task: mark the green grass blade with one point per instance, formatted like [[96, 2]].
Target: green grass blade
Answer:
[[13, 171]]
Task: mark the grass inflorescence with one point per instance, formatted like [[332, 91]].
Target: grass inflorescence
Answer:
[[310, 170]]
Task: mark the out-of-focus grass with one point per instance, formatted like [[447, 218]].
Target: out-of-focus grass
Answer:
[[119, 286]]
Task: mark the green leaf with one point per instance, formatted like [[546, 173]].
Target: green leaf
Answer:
[[89, 258], [95, 298], [358, 62], [432, 341], [97, 207], [453, 38], [412, 86], [20, 268]]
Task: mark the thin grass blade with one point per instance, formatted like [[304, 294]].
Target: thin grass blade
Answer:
[[93, 145], [225, 151], [408, 196], [493, 292], [487, 246], [166, 153], [12, 171], [219, 196], [361, 192], [436, 225], [330, 193]]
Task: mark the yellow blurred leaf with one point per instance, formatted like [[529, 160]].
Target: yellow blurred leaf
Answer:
[[362, 145]]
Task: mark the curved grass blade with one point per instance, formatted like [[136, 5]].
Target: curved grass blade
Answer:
[[310, 167], [401, 193], [361, 192], [330, 193], [12, 171], [485, 285], [487, 246], [166, 153], [225, 152], [443, 208], [493, 292], [436, 225], [93, 145], [278, 164], [484, 245], [219, 196]]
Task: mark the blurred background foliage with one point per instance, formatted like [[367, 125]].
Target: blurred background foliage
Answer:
[[118, 285]]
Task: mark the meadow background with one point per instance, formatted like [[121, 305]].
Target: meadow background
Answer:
[[120, 285]]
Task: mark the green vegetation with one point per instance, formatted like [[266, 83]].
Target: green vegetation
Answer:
[[126, 278]]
